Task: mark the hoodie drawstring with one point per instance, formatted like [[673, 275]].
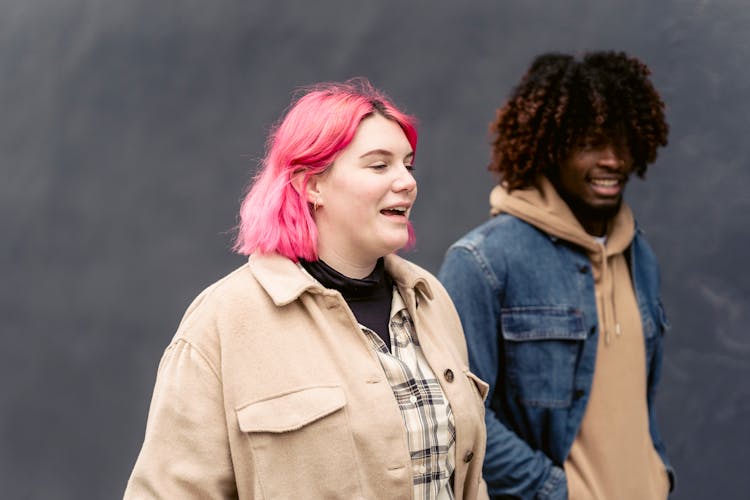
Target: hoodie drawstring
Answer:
[[542, 207], [607, 301]]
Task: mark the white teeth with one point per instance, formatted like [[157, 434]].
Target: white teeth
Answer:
[[396, 210], [605, 182]]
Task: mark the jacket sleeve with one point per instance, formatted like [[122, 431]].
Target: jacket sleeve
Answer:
[[512, 469], [645, 272], [653, 382], [185, 452]]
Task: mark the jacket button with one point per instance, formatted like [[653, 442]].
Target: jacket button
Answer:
[[469, 455], [583, 269], [592, 330], [448, 374], [578, 394]]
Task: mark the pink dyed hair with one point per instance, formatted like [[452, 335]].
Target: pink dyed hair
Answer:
[[274, 217]]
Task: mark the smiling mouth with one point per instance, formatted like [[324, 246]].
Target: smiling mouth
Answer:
[[605, 182], [399, 211], [607, 186]]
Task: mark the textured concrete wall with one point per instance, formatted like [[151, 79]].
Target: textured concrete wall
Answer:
[[128, 131]]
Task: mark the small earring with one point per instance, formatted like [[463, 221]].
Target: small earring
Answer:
[[315, 204]]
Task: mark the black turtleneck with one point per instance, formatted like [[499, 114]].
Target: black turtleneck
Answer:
[[369, 298]]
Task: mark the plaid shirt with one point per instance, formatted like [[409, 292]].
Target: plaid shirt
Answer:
[[427, 414]]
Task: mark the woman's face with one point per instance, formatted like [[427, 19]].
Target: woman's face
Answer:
[[364, 198]]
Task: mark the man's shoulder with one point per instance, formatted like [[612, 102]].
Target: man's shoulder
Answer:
[[641, 244], [503, 232], [642, 252]]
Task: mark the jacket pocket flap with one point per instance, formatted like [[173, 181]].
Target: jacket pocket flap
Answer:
[[543, 323], [291, 411]]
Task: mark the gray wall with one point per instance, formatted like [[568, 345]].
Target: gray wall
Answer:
[[128, 130]]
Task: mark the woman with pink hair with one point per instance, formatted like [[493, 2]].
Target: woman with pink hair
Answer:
[[326, 366]]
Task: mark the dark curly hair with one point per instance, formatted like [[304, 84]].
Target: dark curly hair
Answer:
[[561, 99]]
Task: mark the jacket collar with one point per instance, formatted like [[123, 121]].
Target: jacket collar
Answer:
[[282, 279], [285, 281], [407, 275]]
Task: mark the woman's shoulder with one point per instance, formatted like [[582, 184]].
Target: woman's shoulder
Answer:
[[254, 290], [237, 282], [218, 299]]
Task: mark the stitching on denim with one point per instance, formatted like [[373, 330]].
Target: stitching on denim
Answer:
[[546, 403], [481, 262]]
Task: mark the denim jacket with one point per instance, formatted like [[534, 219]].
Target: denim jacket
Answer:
[[541, 362]]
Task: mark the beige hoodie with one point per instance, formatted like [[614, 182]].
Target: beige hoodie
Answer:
[[612, 456]]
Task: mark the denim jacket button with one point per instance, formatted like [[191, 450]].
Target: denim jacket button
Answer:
[[578, 394], [583, 269], [448, 374]]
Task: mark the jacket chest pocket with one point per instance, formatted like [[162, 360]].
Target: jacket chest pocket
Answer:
[[541, 347], [302, 444]]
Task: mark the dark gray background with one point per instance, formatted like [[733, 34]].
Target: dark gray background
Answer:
[[128, 130]]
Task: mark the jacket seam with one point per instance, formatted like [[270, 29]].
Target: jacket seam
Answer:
[[202, 355], [481, 262]]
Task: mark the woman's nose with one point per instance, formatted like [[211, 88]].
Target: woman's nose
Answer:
[[405, 180]]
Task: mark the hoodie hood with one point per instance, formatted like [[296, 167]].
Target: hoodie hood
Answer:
[[544, 209]]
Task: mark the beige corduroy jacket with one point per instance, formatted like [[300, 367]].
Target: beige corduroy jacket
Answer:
[[269, 390]]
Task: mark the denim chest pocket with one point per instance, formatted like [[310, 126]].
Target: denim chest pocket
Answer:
[[541, 347]]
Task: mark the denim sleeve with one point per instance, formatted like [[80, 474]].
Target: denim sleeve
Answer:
[[653, 382], [511, 467]]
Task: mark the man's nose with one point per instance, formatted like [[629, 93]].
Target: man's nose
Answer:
[[612, 157]]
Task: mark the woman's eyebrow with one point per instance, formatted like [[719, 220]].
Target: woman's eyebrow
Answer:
[[384, 152], [381, 152]]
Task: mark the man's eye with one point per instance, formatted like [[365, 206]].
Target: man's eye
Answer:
[[592, 146]]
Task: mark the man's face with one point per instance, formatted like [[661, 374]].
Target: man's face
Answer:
[[592, 179]]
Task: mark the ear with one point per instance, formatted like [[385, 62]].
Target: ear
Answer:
[[311, 192]]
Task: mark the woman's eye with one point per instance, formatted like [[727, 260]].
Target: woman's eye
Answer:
[[410, 168], [379, 166]]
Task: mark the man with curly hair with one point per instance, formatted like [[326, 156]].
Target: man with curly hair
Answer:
[[558, 292]]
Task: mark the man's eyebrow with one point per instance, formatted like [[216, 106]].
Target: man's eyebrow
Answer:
[[384, 152]]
